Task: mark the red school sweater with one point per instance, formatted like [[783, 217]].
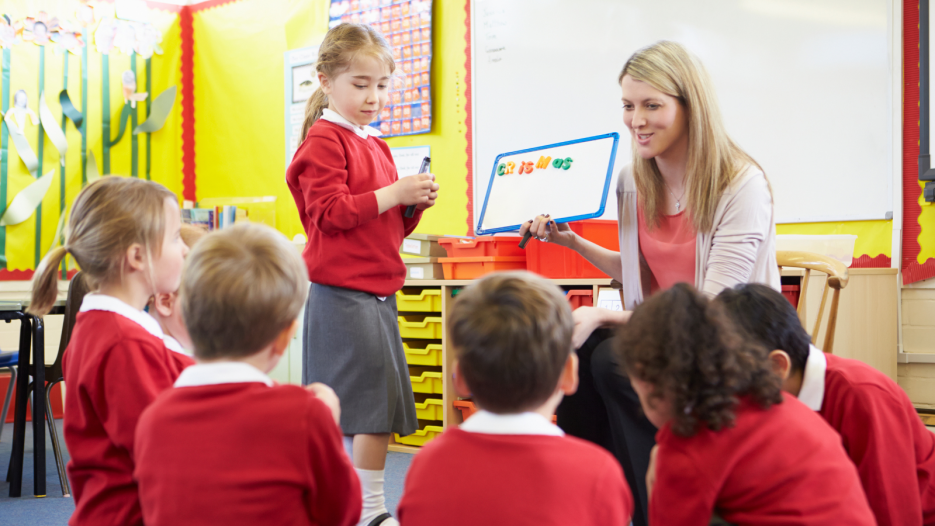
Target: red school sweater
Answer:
[[333, 177], [464, 478], [114, 369], [883, 435], [779, 466], [244, 454]]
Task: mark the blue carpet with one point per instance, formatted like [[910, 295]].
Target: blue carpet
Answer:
[[55, 509]]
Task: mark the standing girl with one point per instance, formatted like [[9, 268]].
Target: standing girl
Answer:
[[693, 207], [352, 203], [124, 234]]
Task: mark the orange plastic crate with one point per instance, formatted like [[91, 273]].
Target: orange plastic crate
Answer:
[[459, 247], [557, 262], [580, 298], [472, 268]]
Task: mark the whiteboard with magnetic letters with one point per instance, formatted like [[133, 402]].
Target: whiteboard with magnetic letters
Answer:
[[568, 180], [809, 88]]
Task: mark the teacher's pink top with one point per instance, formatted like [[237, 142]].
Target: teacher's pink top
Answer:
[[669, 250]]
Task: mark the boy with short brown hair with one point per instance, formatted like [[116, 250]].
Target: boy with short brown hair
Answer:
[[508, 464], [227, 445]]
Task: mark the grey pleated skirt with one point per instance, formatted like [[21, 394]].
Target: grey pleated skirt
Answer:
[[352, 344]]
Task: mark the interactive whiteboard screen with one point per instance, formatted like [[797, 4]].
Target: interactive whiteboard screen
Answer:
[[569, 181]]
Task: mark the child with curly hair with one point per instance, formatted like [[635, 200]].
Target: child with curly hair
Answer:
[[730, 442]]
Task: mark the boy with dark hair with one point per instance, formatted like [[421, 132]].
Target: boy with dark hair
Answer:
[[227, 445], [879, 427], [511, 334]]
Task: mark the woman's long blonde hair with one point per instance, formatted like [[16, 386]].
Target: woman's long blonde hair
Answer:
[[341, 46], [108, 216], [714, 160]]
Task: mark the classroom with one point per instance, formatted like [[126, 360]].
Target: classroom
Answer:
[[439, 171]]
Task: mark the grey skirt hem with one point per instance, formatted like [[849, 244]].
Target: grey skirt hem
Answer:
[[352, 344]]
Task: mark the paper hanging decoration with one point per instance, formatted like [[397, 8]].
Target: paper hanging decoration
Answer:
[[158, 112], [52, 129], [22, 145], [91, 169], [7, 32], [69, 110], [25, 202], [130, 95], [39, 29]]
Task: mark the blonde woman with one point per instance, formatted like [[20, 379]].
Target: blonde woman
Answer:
[[692, 207]]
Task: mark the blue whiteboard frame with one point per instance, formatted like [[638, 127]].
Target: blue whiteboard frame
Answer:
[[600, 211]]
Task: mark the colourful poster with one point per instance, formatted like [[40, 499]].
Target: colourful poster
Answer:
[[407, 27]]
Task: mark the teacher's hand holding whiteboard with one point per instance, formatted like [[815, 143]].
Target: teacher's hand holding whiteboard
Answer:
[[570, 180]]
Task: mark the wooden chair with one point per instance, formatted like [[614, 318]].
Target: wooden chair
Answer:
[[837, 280]]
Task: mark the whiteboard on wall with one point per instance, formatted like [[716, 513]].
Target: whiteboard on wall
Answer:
[[804, 86]]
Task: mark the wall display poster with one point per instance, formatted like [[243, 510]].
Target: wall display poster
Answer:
[[301, 81], [407, 27]]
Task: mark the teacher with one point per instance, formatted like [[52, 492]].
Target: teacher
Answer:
[[692, 207]]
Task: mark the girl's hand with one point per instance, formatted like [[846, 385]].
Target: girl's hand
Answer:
[[416, 190], [544, 229], [433, 195], [330, 399]]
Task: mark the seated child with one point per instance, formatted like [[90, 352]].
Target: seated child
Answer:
[[227, 445], [124, 234], [730, 442], [508, 464], [893, 451], [167, 310]]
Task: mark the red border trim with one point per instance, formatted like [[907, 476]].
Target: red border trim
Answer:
[[26, 275], [188, 104], [469, 125], [912, 270], [865, 261]]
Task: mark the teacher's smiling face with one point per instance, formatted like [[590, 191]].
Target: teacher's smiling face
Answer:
[[658, 123]]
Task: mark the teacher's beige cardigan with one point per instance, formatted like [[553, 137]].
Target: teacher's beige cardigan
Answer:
[[741, 248]]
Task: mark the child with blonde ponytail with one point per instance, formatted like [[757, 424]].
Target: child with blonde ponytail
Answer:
[[124, 235], [352, 203]]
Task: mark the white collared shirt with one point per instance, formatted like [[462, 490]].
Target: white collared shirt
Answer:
[[173, 345], [217, 373], [812, 393], [361, 131], [528, 423], [102, 302]]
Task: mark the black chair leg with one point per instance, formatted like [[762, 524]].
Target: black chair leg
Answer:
[[6, 400], [56, 448]]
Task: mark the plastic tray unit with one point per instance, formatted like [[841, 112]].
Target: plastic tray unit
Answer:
[[420, 437], [460, 247], [420, 327], [557, 262], [425, 300], [429, 355], [476, 267], [429, 382], [431, 409]]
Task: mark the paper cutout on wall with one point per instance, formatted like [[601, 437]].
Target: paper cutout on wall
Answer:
[[159, 111], [57, 238], [129, 89], [25, 202], [7, 32], [69, 109], [68, 41], [52, 130], [21, 110], [124, 117], [127, 37], [91, 169], [39, 29], [22, 145]]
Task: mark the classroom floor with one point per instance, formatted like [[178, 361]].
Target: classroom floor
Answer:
[[55, 509]]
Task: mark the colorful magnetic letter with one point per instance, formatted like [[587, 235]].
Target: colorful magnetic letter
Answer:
[[543, 162], [566, 164], [501, 169], [557, 163], [510, 165]]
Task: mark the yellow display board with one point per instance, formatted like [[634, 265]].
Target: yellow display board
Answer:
[[30, 65]]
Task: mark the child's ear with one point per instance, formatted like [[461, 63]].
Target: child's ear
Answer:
[[568, 382], [781, 363], [461, 387], [136, 257], [281, 343], [164, 304], [325, 83]]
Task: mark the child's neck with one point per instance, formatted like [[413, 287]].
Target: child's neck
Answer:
[[261, 360], [133, 292]]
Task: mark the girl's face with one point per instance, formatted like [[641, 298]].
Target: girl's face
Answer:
[[657, 410], [359, 93], [167, 268], [657, 122]]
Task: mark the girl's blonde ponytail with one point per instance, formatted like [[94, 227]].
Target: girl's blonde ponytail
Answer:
[[314, 107], [45, 282]]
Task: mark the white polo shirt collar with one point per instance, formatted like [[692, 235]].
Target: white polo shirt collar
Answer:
[[361, 131], [102, 302], [812, 393], [528, 423], [217, 373]]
